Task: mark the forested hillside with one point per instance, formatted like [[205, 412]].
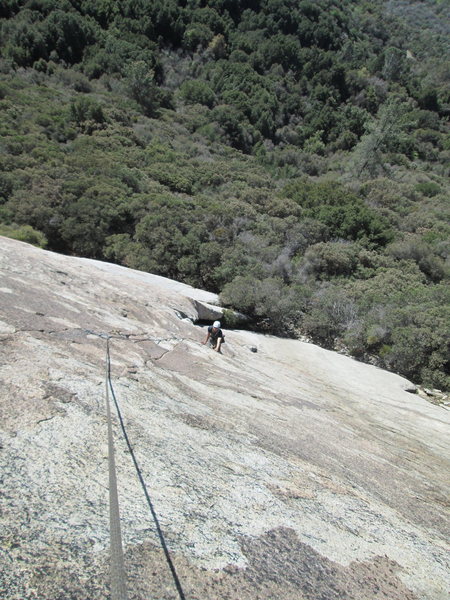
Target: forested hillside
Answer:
[[293, 156]]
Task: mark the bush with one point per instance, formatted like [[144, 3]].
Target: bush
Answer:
[[422, 254], [331, 314], [272, 305], [329, 259], [86, 109], [142, 87], [197, 92], [428, 188], [24, 233], [67, 34], [403, 322], [197, 35], [344, 214], [6, 186], [169, 194], [73, 79]]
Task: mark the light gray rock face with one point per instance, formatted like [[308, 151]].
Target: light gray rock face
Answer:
[[292, 473]]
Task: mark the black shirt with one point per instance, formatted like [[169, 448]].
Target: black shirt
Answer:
[[215, 334]]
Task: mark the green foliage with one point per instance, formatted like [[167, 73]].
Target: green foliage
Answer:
[[231, 320], [233, 131], [291, 155], [329, 259], [407, 323], [395, 67], [272, 305], [143, 88], [344, 214], [197, 35], [414, 249], [331, 314], [428, 188], [98, 213], [86, 109], [197, 92], [67, 34], [387, 133], [24, 233], [6, 186]]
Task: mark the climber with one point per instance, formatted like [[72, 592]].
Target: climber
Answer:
[[215, 336]]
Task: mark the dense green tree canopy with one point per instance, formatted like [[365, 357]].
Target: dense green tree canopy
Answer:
[[291, 155]]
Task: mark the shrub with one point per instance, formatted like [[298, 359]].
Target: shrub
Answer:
[[119, 248], [24, 233], [197, 92], [404, 322], [197, 35], [67, 34], [329, 259], [142, 87], [331, 313], [422, 254], [345, 215], [86, 109], [78, 81], [6, 186], [428, 188], [274, 306]]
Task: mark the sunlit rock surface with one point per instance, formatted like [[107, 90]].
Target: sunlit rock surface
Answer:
[[291, 472]]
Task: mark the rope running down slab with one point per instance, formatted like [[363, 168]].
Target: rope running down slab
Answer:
[[141, 479], [118, 578]]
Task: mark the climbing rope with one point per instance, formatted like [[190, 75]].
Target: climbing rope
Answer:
[[118, 579], [117, 566]]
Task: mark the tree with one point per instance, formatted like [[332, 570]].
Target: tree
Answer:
[[67, 34], [396, 66], [382, 132], [194, 91], [197, 35], [142, 87], [86, 109]]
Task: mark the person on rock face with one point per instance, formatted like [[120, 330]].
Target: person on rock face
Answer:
[[215, 336]]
